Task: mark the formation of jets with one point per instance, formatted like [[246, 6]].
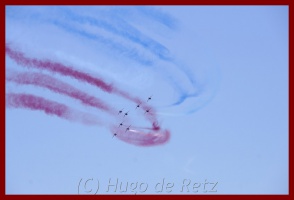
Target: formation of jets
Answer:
[[126, 113]]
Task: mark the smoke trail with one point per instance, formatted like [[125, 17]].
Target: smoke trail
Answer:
[[123, 29], [126, 50], [32, 102], [186, 88], [155, 14], [22, 60], [56, 67], [61, 87], [134, 136], [137, 136], [140, 138], [58, 86], [116, 25], [19, 58]]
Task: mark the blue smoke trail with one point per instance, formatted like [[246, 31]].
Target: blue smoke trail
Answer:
[[156, 15], [115, 23], [122, 28], [129, 52], [127, 31]]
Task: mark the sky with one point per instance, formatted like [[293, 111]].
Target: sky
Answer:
[[216, 123]]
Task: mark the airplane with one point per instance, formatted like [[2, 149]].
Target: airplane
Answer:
[[147, 111], [120, 124], [126, 113], [127, 129], [138, 105], [149, 98], [119, 112], [115, 134]]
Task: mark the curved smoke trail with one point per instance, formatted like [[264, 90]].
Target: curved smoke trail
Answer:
[[115, 31], [127, 53], [136, 136]]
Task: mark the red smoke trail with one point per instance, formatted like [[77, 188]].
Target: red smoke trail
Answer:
[[19, 58], [58, 68], [66, 71], [58, 86], [137, 137], [141, 138], [49, 107]]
